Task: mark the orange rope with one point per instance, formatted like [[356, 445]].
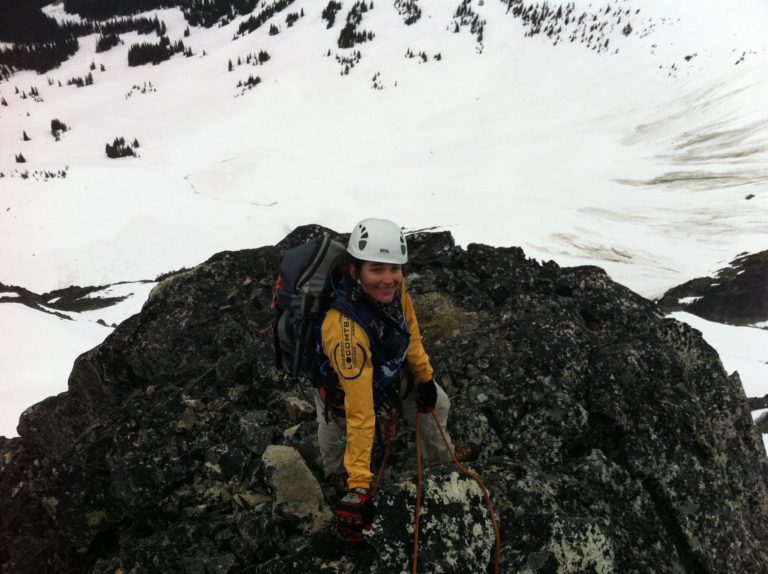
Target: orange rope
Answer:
[[479, 481], [414, 569], [390, 429]]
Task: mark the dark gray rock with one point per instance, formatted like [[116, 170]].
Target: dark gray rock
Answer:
[[762, 423], [73, 298], [736, 295], [456, 534], [611, 439]]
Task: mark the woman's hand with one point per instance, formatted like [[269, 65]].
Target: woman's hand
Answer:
[[427, 396]]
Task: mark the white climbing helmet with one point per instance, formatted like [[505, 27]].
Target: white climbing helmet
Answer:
[[378, 240]]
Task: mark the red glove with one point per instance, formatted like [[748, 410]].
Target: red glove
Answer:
[[354, 512]]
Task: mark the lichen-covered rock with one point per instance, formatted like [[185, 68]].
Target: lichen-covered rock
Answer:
[[455, 533], [611, 438], [297, 493]]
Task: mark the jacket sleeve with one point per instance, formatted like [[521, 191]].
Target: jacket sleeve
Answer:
[[347, 346], [416, 356]]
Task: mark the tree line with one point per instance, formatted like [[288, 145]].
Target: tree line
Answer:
[[254, 22], [105, 9], [350, 35], [148, 53], [40, 43]]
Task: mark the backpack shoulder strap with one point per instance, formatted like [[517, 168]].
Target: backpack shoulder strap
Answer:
[[341, 303]]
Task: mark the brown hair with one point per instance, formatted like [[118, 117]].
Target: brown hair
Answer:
[[341, 264]]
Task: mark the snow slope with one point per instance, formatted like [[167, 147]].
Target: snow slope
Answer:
[[37, 350], [639, 161]]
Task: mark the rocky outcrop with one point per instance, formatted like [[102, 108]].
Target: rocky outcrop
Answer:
[[737, 294], [612, 439], [73, 299]]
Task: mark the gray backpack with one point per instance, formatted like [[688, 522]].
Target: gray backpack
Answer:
[[301, 292]]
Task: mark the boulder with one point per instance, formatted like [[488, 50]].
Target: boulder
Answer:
[[611, 438], [455, 534], [297, 493]]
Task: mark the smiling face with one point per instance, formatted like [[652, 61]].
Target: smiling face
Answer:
[[380, 281]]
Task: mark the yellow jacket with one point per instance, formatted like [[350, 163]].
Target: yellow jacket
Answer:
[[348, 348]]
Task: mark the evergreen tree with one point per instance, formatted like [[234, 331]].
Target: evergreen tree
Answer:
[[57, 126], [119, 149], [20, 158], [25, 137], [39, 56], [107, 41], [145, 53], [329, 12], [230, 67]]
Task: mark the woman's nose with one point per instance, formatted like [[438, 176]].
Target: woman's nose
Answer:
[[390, 277]]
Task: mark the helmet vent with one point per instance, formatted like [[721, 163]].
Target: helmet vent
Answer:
[[379, 241]]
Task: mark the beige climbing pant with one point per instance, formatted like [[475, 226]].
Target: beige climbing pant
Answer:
[[331, 433]]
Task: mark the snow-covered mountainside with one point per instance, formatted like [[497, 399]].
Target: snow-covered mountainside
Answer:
[[626, 134], [638, 157]]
